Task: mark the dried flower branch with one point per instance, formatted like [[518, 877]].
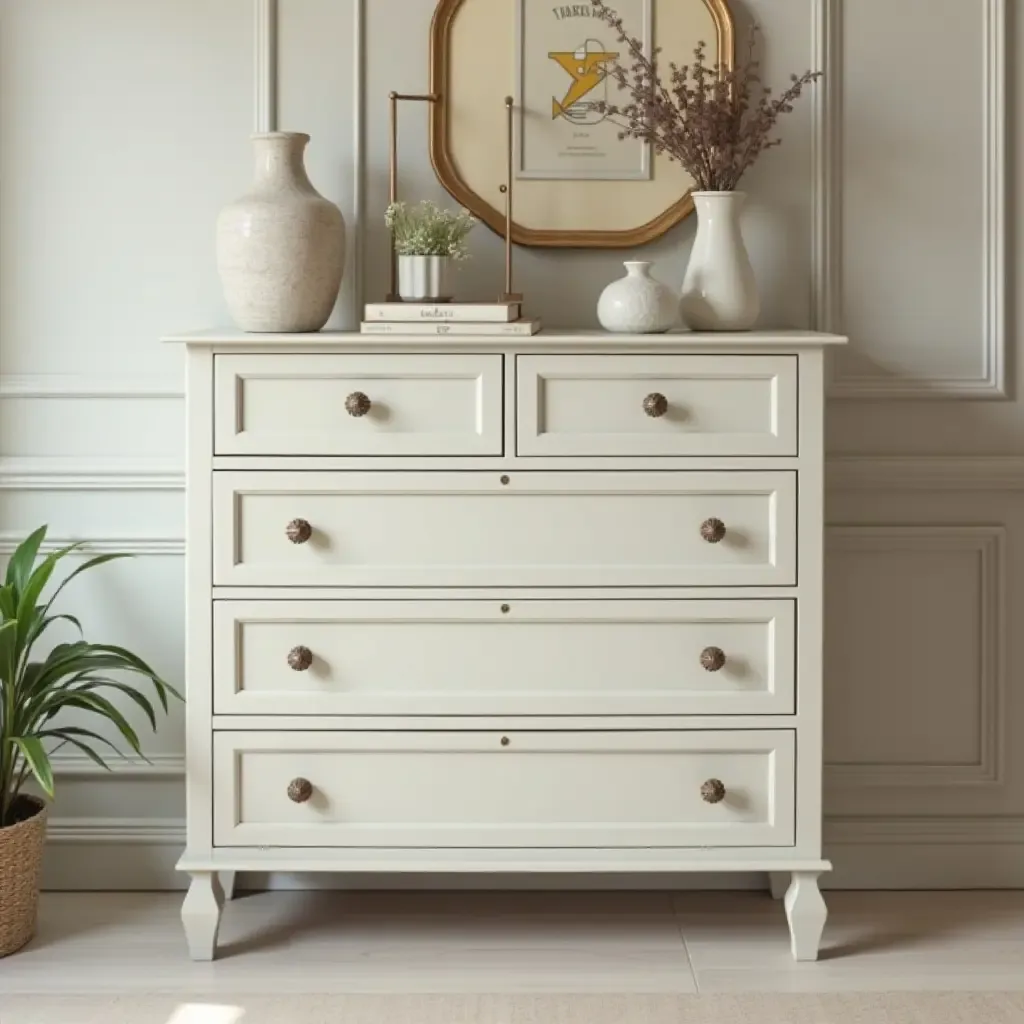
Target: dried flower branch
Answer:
[[714, 120]]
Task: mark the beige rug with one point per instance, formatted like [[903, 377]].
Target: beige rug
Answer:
[[873, 1008]]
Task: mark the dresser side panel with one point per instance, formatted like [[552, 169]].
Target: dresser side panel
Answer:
[[198, 608], [810, 531]]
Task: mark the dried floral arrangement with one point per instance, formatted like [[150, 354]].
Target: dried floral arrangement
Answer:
[[714, 120], [424, 229]]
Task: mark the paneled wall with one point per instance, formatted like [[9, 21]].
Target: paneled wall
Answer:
[[123, 129]]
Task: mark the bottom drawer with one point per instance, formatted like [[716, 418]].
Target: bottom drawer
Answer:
[[517, 789]]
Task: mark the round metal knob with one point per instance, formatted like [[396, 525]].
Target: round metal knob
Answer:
[[504, 741], [712, 530], [712, 659], [713, 791], [300, 790], [357, 404], [300, 658], [655, 405], [298, 531]]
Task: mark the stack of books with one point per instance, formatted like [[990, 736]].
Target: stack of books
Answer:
[[447, 318]]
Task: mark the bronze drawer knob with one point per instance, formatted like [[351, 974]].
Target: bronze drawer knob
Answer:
[[298, 531], [712, 659], [713, 791], [655, 405], [357, 404], [300, 790], [712, 530], [300, 658]]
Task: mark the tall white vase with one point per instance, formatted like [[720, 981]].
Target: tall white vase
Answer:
[[719, 290], [281, 247]]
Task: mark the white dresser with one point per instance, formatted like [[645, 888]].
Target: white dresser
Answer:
[[500, 605]]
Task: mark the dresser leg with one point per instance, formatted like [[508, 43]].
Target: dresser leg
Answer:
[[200, 914], [778, 883], [806, 912], [227, 883]]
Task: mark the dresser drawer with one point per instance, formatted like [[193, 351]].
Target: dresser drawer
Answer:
[[493, 789], [656, 405], [629, 657], [358, 405], [490, 530]]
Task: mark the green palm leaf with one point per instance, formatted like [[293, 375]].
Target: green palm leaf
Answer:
[[86, 679], [32, 749]]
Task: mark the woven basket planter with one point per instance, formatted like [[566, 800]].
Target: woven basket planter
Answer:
[[21, 861]]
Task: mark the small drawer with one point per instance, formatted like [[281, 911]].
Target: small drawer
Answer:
[[358, 405], [654, 405], [623, 657], [504, 789], [444, 529]]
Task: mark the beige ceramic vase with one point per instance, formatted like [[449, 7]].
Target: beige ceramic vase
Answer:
[[281, 247]]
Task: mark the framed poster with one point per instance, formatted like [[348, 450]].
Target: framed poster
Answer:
[[575, 183], [563, 53]]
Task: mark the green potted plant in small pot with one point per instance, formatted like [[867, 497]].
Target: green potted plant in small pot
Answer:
[[35, 688], [428, 241]]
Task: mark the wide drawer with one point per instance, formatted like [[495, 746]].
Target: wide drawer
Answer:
[[683, 405], [515, 658], [493, 789], [522, 529], [358, 405]]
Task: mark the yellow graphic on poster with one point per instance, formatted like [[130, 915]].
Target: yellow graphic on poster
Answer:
[[587, 66], [563, 62]]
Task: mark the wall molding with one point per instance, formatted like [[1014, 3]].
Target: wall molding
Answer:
[[989, 544], [265, 65], [87, 386], [827, 146], [62, 474], [131, 545], [896, 473], [929, 831], [355, 270], [868, 853], [826, 164], [160, 766], [116, 831], [838, 831]]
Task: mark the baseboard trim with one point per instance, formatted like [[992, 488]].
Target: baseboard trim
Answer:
[[868, 853]]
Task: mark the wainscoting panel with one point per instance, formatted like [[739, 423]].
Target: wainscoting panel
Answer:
[[922, 243]]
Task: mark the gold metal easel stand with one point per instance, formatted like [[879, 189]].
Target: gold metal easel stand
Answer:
[[508, 295]]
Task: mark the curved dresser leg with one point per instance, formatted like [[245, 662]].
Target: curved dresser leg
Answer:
[[227, 883], [806, 912], [200, 914], [778, 883]]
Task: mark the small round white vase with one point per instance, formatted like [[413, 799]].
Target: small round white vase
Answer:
[[281, 247], [719, 289], [637, 303], [425, 278]]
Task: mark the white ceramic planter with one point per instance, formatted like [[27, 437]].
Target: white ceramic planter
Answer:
[[719, 290], [426, 278], [281, 247], [637, 303]]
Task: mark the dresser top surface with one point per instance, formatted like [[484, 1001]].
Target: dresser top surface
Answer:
[[673, 341]]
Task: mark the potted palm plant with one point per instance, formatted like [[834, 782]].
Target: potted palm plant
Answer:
[[80, 677]]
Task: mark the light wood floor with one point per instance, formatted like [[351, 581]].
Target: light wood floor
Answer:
[[324, 942]]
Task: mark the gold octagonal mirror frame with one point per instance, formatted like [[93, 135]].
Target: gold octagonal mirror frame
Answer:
[[473, 66]]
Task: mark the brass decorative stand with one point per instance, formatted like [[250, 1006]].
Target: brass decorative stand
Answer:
[[508, 295], [393, 98]]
